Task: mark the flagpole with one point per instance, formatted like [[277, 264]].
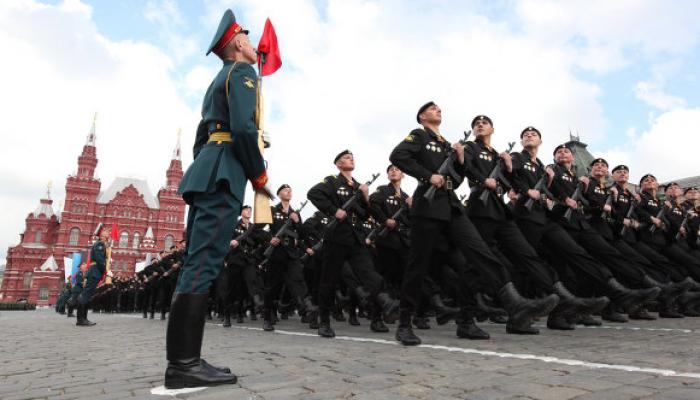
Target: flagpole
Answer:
[[262, 213]]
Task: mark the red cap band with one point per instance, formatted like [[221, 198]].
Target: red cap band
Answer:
[[226, 38]]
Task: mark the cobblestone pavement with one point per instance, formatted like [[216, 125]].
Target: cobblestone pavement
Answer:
[[44, 355]]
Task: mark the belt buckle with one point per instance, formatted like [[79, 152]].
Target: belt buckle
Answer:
[[353, 219], [448, 184]]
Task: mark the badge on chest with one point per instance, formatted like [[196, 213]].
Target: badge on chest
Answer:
[[278, 216], [343, 191], [599, 190], [530, 167], [485, 155], [434, 147], [392, 201], [567, 178]]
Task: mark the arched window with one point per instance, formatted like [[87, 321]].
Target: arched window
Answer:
[[124, 239], [168, 241], [37, 237], [137, 240], [44, 292], [73, 237], [28, 276]]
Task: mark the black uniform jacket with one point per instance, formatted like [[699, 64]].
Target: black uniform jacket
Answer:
[[479, 161], [384, 203], [564, 185], [328, 196], [420, 155], [526, 174]]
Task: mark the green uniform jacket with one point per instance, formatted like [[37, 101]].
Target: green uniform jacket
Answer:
[[98, 260], [227, 162]]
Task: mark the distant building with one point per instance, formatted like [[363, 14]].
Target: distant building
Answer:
[[146, 223]]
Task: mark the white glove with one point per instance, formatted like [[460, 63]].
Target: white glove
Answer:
[[110, 274], [266, 139]]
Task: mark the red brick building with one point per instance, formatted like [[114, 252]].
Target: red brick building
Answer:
[[146, 223]]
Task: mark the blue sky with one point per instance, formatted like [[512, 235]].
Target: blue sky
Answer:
[[623, 74]]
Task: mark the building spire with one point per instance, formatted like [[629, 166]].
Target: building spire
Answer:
[[92, 137], [48, 189], [176, 151]]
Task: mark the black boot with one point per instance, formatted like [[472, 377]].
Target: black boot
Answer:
[[268, 325], [184, 343], [352, 317], [153, 312], [227, 319], [624, 298], [467, 329], [574, 304], [522, 311], [640, 313], [609, 313], [558, 320], [324, 327], [443, 313], [162, 315], [404, 333], [70, 313], [145, 312], [363, 297], [390, 307], [377, 325], [421, 322], [587, 320]]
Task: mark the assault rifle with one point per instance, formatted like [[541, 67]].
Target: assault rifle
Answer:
[[447, 167], [495, 174], [576, 197], [385, 230], [350, 202], [628, 215], [283, 231], [540, 186], [608, 201]]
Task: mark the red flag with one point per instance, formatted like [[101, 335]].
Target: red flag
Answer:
[[114, 235], [269, 49]]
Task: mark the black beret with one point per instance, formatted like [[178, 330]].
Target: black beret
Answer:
[[530, 128], [284, 186], [481, 118], [599, 160], [342, 153], [621, 168], [645, 177], [669, 185], [689, 189], [561, 146], [246, 206], [423, 108], [392, 165]]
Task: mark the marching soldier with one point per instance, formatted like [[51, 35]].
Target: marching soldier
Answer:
[[213, 187], [420, 155], [284, 266], [345, 242]]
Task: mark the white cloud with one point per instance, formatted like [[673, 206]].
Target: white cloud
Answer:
[[60, 71], [668, 149], [654, 95]]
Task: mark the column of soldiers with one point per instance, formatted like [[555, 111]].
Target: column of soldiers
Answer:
[[565, 246]]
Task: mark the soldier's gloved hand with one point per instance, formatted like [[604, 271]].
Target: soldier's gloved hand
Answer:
[[266, 139], [110, 274]]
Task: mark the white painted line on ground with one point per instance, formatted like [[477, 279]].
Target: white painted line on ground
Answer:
[[519, 356], [162, 391], [628, 328]]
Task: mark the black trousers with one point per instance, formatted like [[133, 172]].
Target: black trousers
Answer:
[[462, 233], [335, 255], [662, 269], [674, 252], [287, 271], [565, 251], [625, 270], [392, 263], [506, 236]]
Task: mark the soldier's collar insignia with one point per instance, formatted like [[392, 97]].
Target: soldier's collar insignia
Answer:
[[409, 138]]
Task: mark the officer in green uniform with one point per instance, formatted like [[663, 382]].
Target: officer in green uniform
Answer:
[[226, 156], [98, 261]]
